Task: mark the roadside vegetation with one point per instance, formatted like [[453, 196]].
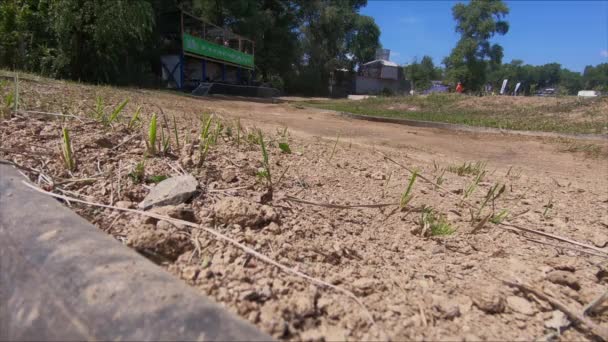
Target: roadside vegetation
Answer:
[[559, 114]]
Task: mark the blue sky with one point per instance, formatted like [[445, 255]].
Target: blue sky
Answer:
[[572, 33]]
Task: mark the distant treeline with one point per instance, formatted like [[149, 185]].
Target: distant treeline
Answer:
[[533, 78], [298, 42]]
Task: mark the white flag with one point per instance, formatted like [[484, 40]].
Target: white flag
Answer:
[[504, 85], [516, 88]]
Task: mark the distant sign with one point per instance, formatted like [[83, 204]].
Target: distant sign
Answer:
[[383, 54], [204, 48]]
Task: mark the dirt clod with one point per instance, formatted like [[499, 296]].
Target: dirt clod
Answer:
[[244, 213], [564, 278], [520, 304], [488, 299]]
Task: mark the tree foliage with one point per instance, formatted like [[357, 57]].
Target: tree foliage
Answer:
[[477, 22], [298, 42], [422, 73]]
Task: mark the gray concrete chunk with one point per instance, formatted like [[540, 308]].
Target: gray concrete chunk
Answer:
[[171, 191]]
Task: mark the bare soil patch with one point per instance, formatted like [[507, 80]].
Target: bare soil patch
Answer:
[[416, 285]]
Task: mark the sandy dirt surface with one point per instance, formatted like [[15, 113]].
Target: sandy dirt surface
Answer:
[[431, 270]]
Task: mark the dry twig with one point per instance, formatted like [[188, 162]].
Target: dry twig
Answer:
[[575, 317]]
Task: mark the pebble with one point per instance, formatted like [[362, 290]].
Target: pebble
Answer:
[[124, 204], [171, 191]]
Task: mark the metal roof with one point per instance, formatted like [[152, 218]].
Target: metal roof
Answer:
[[383, 62]]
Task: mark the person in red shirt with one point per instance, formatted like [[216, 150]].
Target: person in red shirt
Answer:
[[459, 88]]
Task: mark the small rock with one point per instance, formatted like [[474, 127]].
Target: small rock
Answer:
[[125, 204], [521, 305], [229, 175], [171, 191], [378, 176], [311, 335], [564, 278], [190, 273], [364, 286], [488, 299], [273, 228], [558, 321], [303, 305], [247, 214], [600, 241]]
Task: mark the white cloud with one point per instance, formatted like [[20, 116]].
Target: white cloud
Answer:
[[604, 53], [409, 20]]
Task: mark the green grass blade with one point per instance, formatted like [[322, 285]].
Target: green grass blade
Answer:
[[67, 150], [175, 132], [152, 135], [117, 110], [406, 197]]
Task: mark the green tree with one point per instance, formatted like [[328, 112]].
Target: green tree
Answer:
[[421, 74], [364, 40], [596, 78], [101, 41], [477, 22]]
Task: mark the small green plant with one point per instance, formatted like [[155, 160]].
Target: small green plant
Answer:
[[440, 178], [116, 112], [165, 141], [501, 216], [157, 178], [333, 150], [434, 224], [468, 168], [139, 172], [16, 103], [216, 133], [152, 136], [99, 108], [238, 132], [470, 189], [134, 119], [284, 147], [265, 173], [406, 197], [205, 141], [492, 195], [175, 132], [66, 149]]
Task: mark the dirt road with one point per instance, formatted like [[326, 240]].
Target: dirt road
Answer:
[[536, 155]]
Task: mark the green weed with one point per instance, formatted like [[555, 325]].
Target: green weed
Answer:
[[407, 196], [284, 147], [152, 136], [501, 216], [66, 149], [468, 168], [134, 119], [157, 178], [265, 173], [175, 132], [434, 224], [492, 195], [116, 112], [139, 172]]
